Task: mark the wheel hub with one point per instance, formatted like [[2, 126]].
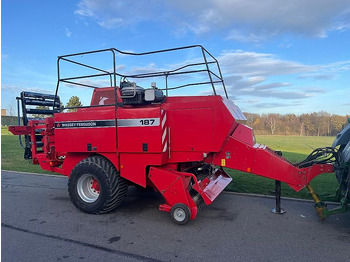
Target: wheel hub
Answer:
[[88, 188], [179, 214], [95, 185]]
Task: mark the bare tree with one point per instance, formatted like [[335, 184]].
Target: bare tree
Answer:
[[323, 123], [12, 108], [272, 122], [309, 126], [302, 127]]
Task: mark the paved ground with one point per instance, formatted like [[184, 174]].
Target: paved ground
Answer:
[[39, 223]]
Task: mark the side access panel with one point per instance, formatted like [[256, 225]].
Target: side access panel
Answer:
[[142, 141], [192, 130], [89, 130], [199, 125], [142, 130]]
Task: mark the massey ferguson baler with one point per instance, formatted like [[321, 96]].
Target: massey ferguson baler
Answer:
[[133, 135]]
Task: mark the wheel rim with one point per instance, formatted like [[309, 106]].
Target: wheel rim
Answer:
[[179, 214], [88, 188]]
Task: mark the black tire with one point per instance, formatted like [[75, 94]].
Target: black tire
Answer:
[[339, 173], [342, 173], [180, 214], [95, 186]]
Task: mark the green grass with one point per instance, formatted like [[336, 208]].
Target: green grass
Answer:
[[295, 144], [294, 148], [5, 131], [12, 155]]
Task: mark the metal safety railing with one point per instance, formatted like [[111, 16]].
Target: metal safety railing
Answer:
[[208, 60]]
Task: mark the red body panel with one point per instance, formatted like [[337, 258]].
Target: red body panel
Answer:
[[133, 134], [190, 128], [105, 96], [133, 166], [198, 124], [75, 130]]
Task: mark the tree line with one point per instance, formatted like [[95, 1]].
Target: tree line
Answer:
[[311, 124]]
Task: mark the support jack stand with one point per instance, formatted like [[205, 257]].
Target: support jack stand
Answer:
[[278, 209]]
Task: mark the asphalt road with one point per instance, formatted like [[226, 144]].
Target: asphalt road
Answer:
[[39, 223]]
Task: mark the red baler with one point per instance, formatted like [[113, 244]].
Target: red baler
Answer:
[[177, 145]]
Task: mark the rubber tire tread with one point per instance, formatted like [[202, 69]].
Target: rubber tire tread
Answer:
[[116, 186], [339, 173]]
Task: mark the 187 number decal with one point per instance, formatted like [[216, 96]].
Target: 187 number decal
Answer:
[[147, 122]]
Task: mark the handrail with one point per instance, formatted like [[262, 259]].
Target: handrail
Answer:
[[208, 59]]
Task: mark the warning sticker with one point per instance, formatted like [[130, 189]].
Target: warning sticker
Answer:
[[223, 162]]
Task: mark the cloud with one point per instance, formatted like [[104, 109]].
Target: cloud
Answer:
[[251, 74], [318, 76], [118, 13], [88, 83], [262, 19], [339, 66], [328, 72], [150, 68], [10, 88], [275, 105], [111, 23], [253, 63], [246, 37], [272, 86], [314, 90], [16, 89], [68, 32], [86, 8], [282, 94], [244, 21], [271, 90]]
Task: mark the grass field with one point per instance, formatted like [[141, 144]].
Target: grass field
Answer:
[[294, 148]]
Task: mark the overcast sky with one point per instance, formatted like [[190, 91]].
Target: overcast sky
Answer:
[[276, 56]]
